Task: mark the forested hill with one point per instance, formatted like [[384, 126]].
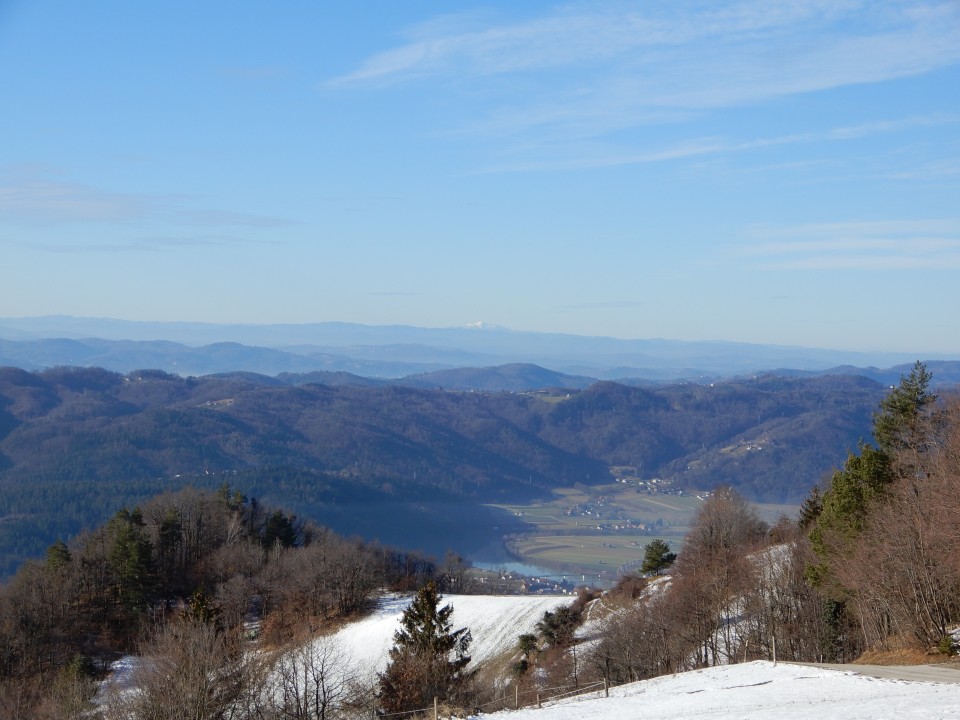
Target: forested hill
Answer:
[[76, 444]]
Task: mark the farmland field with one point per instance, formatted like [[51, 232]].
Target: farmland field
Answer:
[[601, 531]]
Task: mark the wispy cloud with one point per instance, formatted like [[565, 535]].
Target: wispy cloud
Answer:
[[573, 35], [884, 245], [610, 67], [47, 202], [43, 201], [224, 217], [598, 156], [140, 244], [933, 170], [604, 305]]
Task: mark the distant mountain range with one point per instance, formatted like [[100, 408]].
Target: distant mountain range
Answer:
[[497, 358]]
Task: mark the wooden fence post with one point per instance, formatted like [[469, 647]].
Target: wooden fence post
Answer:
[[436, 711]]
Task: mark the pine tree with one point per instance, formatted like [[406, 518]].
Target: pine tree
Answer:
[[427, 659], [657, 557], [557, 628]]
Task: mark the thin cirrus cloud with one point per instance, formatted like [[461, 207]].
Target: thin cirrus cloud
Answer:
[[932, 170], [604, 305], [882, 245], [598, 156], [139, 245], [224, 217], [654, 63], [49, 203], [570, 35], [44, 202]]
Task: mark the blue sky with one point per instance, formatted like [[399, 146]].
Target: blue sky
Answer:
[[771, 172]]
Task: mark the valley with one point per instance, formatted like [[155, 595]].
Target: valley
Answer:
[[424, 468], [599, 532]]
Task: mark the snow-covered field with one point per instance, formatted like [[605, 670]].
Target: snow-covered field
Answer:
[[495, 621], [733, 692], [759, 690]]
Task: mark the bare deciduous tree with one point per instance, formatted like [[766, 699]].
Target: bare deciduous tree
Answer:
[[641, 644], [313, 680], [713, 574], [191, 671], [902, 572]]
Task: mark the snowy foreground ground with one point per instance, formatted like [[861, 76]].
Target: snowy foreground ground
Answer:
[[735, 692], [759, 690]]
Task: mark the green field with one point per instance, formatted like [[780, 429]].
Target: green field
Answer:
[[597, 531]]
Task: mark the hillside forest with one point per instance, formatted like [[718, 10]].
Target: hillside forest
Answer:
[[409, 466]]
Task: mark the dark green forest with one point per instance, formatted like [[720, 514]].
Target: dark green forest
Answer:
[[394, 462]]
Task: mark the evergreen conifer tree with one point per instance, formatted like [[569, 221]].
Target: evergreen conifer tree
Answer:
[[901, 421], [657, 557], [427, 659]]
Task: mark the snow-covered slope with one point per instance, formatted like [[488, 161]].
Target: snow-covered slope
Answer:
[[495, 621], [759, 690]]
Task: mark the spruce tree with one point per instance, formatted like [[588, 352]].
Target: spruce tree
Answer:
[[427, 659], [902, 420], [811, 508], [131, 559]]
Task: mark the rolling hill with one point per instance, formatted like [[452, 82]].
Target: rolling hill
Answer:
[[410, 466]]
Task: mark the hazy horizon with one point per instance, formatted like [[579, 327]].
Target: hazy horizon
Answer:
[[334, 333]]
